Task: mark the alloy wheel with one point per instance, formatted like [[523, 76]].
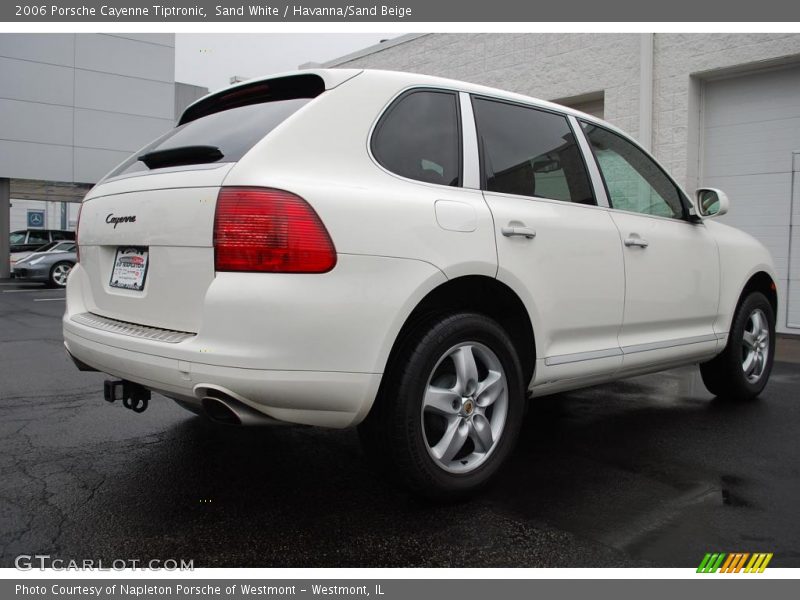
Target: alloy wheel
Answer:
[[60, 274], [465, 406], [755, 346]]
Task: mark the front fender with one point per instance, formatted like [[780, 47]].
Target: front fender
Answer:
[[741, 257]]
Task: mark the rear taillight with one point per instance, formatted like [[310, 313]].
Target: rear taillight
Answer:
[[266, 230], [77, 234]]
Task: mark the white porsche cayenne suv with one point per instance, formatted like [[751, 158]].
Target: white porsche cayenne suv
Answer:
[[413, 255]]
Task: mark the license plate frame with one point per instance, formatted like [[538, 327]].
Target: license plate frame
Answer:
[[131, 272]]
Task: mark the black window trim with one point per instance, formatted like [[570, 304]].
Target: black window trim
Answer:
[[392, 104], [684, 200], [575, 134]]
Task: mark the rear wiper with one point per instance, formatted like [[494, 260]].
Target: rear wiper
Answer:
[[182, 155]]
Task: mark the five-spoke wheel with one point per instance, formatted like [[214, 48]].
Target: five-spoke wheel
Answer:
[[465, 406], [755, 346], [59, 274]]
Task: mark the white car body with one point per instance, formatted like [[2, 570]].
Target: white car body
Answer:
[[312, 348]]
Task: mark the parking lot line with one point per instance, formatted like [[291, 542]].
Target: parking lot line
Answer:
[[15, 283], [49, 299], [28, 291]]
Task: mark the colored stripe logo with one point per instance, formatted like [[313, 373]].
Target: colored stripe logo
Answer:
[[737, 562]]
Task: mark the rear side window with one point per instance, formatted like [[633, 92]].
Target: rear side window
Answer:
[[530, 152], [233, 131], [419, 137]]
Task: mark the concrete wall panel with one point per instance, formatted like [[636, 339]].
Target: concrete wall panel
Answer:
[[52, 48], [25, 160], [123, 56], [34, 122], [115, 93], [35, 82]]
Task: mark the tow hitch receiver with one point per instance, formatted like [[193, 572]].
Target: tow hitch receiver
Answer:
[[134, 396]]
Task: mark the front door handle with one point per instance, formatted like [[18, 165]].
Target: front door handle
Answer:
[[636, 241], [525, 232]]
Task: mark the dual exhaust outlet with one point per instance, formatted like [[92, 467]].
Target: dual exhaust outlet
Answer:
[[216, 404]]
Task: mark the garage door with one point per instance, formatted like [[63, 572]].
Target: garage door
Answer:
[[751, 132]]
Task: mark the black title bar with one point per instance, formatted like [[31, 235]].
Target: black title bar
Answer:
[[439, 11]]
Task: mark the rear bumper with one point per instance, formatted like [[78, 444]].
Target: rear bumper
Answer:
[[302, 349], [327, 399]]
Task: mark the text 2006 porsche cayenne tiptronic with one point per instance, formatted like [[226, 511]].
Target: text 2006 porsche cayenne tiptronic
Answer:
[[409, 254]]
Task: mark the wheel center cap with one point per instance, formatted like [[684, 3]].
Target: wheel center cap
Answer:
[[468, 406]]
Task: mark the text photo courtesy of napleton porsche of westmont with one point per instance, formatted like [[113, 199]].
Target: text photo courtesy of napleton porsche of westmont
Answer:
[[399, 299]]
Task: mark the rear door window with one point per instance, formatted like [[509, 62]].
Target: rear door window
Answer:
[[530, 152], [419, 137]]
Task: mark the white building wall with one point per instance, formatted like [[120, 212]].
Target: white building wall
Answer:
[[682, 61], [544, 65], [75, 105]]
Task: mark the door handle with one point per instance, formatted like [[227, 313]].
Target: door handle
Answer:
[[525, 232], [636, 241]]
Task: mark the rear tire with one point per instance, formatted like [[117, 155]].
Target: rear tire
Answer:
[[59, 273], [743, 369], [450, 411]]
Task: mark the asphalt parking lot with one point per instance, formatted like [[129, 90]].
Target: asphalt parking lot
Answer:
[[651, 471]]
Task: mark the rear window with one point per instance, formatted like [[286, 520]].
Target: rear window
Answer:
[[234, 131]]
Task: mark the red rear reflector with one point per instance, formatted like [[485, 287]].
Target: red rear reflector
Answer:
[[266, 230], [77, 234]]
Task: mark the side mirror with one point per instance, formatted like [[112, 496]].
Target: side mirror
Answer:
[[711, 202]]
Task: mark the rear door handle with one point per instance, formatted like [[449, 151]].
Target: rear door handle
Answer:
[[525, 232], [636, 241]]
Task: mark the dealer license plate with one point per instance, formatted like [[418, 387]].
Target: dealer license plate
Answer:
[[130, 268]]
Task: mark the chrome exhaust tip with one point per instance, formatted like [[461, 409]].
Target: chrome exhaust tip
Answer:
[[225, 410]]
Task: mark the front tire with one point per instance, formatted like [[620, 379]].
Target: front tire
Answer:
[[450, 412], [742, 370]]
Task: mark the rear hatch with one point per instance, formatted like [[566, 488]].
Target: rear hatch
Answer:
[[146, 232]]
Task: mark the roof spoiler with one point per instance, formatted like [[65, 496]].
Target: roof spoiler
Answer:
[[287, 86]]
